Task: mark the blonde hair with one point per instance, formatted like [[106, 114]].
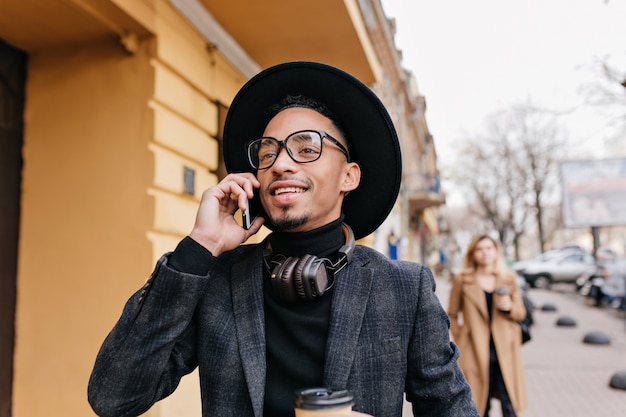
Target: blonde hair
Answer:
[[469, 264]]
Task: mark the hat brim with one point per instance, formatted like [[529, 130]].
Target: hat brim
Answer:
[[371, 136]]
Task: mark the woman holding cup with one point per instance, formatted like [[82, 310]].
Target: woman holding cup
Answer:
[[485, 307]]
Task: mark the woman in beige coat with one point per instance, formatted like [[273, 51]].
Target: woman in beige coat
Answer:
[[485, 307]]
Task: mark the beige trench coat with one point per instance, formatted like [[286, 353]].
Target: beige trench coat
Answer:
[[471, 330]]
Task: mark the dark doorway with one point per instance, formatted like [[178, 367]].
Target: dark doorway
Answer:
[[12, 87]]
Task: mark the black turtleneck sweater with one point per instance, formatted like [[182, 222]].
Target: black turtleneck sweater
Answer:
[[295, 333]]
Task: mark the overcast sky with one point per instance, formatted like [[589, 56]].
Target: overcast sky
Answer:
[[471, 58]]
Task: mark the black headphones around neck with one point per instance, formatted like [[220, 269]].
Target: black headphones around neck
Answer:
[[306, 277]]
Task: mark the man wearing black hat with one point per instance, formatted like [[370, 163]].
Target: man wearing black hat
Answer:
[[314, 155]]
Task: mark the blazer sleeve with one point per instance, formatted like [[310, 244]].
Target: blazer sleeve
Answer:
[[150, 348], [436, 385]]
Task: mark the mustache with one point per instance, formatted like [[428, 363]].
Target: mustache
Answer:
[[305, 182]]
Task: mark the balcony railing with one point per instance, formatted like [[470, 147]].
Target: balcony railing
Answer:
[[423, 191]]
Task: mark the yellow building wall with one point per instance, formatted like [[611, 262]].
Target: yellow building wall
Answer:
[[108, 135], [85, 212]]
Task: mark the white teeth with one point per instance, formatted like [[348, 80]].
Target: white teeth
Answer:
[[288, 190]]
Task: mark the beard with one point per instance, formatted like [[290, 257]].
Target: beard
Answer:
[[287, 222]]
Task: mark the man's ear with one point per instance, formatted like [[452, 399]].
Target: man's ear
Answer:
[[352, 177]]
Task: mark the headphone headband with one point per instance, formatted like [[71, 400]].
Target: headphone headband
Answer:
[[347, 250]]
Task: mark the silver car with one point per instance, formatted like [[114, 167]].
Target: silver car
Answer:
[[562, 266]]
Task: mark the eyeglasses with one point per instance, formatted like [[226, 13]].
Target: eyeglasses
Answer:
[[302, 146]]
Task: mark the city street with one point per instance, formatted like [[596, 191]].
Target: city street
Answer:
[[566, 377]]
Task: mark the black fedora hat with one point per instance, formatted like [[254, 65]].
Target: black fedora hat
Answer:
[[370, 133]]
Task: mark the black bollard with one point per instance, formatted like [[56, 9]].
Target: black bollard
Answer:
[[618, 380], [597, 338], [566, 321], [548, 307]]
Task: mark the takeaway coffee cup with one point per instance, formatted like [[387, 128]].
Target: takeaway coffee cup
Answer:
[[500, 292], [319, 402]]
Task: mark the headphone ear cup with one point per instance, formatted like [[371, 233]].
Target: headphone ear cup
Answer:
[[311, 272], [299, 278], [299, 281], [310, 278], [282, 279]]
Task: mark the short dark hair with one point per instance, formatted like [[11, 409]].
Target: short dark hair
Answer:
[[301, 101]]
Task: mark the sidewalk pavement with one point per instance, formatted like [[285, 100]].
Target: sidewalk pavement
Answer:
[[564, 376]]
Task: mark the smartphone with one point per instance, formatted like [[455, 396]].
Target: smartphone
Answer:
[[246, 216], [252, 211]]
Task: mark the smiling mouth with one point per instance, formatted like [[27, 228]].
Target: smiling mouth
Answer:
[[283, 190]]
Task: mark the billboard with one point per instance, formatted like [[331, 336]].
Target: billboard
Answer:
[[594, 192]]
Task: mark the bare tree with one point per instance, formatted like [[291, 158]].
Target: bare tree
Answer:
[[608, 92], [495, 188], [609, 88], [541, 144], [511, 173]]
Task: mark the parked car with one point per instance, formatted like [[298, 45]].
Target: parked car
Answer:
[[563, 266], [519, 266]]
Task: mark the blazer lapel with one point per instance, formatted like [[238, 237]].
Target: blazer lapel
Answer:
[[351, 292], [247, 293]]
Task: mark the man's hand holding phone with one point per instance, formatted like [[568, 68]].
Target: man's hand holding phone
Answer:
[[216, 228]]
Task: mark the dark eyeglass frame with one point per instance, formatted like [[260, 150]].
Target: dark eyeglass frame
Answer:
[[283, 144]]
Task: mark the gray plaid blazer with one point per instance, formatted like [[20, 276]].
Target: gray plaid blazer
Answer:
[[388, 336]]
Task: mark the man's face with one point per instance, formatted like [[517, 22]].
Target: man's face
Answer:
[[304, 196]]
